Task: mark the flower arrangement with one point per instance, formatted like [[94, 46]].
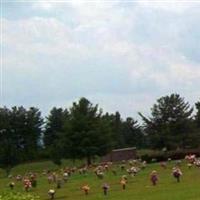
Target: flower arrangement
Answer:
[[51, 193], [86, 189]]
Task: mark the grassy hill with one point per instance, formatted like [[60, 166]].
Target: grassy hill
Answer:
[[138, 188]]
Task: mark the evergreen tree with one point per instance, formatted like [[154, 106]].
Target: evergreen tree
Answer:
[[116, 126], [132, 134], [87, 134], [52, 134], [33, 132], [20, 132], [54, 125], [197, 116], [170, 125], [8, 142], [195, 140]]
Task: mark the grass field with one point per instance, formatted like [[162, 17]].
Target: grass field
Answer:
[[138, 188]]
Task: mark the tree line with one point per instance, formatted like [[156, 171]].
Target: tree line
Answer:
[[85, 131]]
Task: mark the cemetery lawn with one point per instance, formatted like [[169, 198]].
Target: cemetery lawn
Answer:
[[138, 188]]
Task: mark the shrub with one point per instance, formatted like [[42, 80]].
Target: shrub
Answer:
[[18, 196], [151, 156]]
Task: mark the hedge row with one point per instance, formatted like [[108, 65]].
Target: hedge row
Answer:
[[158, 156]]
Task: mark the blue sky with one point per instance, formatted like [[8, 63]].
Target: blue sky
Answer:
[[122, 55]]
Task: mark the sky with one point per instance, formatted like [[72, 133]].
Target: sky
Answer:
[[122, 54]]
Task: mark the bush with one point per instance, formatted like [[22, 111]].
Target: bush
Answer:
[[152, 156], [18, 196]]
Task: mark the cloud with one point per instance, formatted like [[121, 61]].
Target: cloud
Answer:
[[169, 5], [122, 57], [46, 5]]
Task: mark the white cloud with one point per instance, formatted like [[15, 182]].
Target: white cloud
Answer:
[[47, 5], [100, 50], [45, 36], [169, 5]]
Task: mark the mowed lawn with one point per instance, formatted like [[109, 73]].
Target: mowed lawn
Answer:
[[138, 188]]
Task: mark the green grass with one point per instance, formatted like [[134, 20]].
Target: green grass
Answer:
[[138, 188]]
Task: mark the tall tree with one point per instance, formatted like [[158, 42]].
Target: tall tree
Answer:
[[20, 132], [54, 125], [132, 133], [87, 134], [170, 123], [33, 132], [197, 116], [53, 130], [196, 132], [117, 129], [116, 124], [8, 143]]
